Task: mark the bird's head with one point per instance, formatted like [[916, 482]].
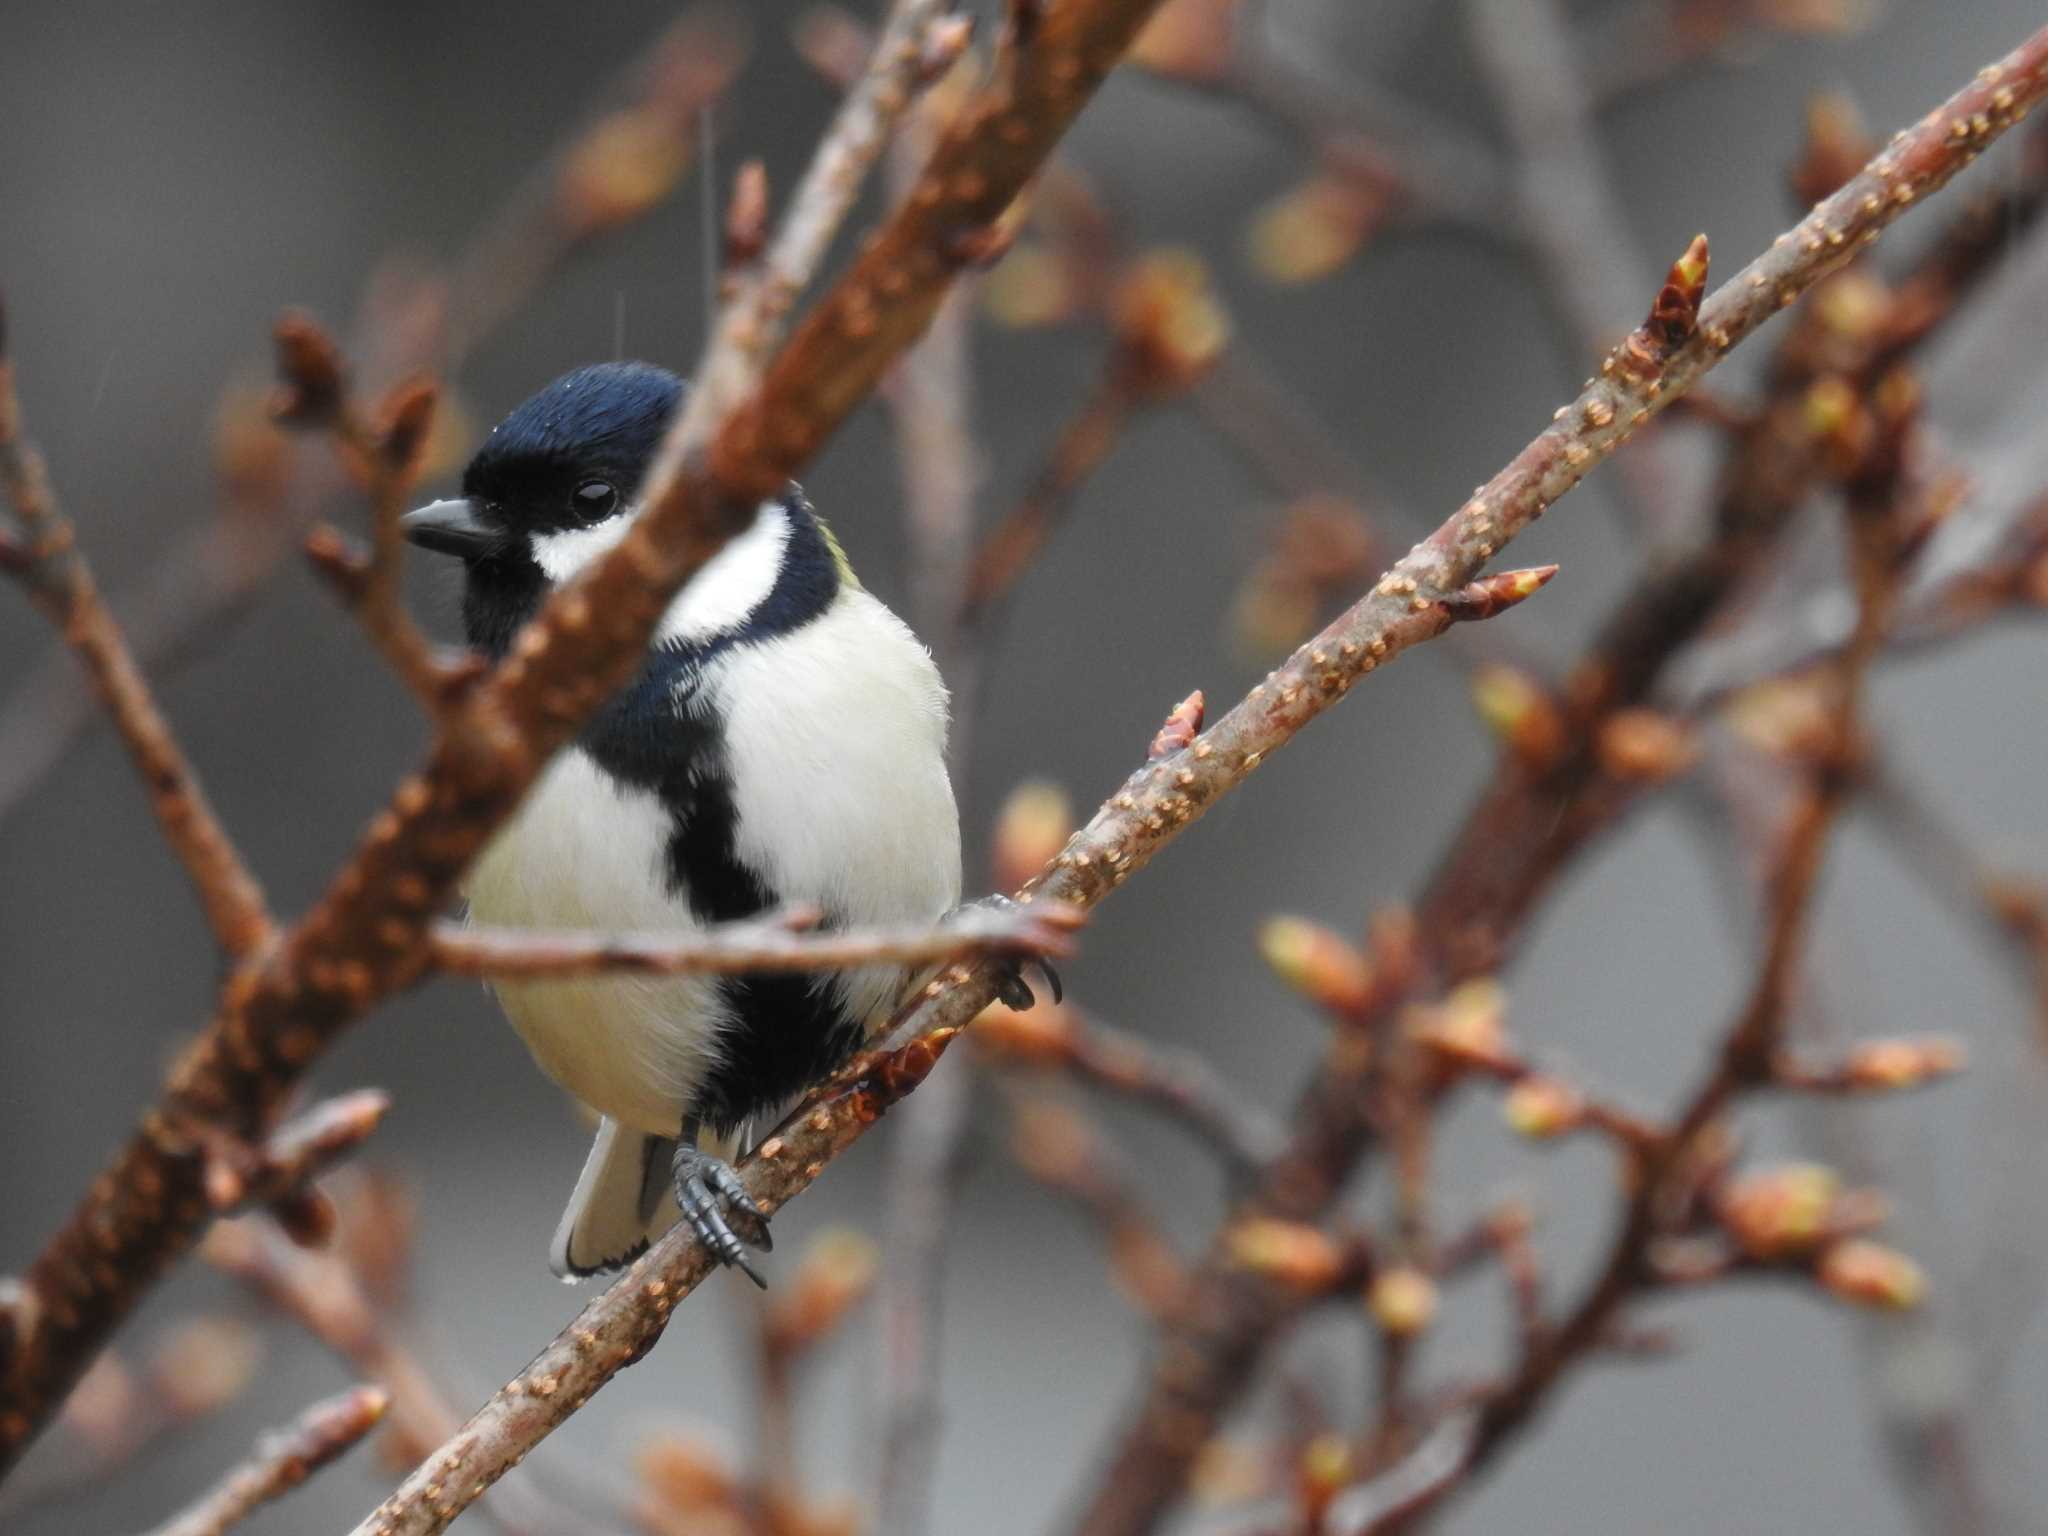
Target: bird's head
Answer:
[[553, 487]]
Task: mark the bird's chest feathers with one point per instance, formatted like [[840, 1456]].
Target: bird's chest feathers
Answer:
[[586, 853]]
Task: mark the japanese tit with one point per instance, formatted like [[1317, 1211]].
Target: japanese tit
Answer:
[[783, 742]]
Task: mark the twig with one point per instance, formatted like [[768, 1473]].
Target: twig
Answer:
[[1040, 929], [751, 323], [278, 1173], [45, 559], [385, 456], [1011, 547], [1567, 210], [282, 1461], [1180, 1085]]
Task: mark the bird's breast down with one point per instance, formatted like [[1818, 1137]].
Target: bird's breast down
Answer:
[[832, 744]]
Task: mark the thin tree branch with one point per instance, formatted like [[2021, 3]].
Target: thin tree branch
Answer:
[[282, 1461], [45, 559], [1179, 1085], [731, 948]]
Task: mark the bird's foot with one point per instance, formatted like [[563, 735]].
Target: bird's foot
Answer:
[[1012, 990], [706, 1188]]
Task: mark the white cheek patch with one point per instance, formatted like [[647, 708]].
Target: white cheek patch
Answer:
[[735, 582], [561, 555]]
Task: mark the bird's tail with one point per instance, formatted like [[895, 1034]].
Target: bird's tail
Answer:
[[624, 1199]]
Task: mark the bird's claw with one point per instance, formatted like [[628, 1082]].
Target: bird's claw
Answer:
[[706, 1187], [1012, 990]]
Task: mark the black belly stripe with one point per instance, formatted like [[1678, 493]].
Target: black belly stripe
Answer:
[[787, 1029], [660, 734]]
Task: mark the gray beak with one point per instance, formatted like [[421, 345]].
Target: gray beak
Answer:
[[450, 528]]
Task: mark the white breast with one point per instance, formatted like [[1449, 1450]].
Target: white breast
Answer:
[[835, 739], [585, 854], [836, 734]]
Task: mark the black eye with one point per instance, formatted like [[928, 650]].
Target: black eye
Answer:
[[594, 499]]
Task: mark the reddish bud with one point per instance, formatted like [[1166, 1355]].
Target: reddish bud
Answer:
[[1883, 1065], [405, 421], [1872, 1275], [1290, 1253], [1781, 1211], [686, 1475], [1838, 145], [1468, 1026], [204, 1364], [1403, 1300], [1045, 1034], [746, 216], [1031, 829], [1521, 712], [1489, 595], [1317, 963], [1675, 313], [1181, 727], [833, 1277], [311, 377], [1642, 746], [1541, 1107], [306, 1216], [1052, 1143], [1168, 320], [1316, 229]]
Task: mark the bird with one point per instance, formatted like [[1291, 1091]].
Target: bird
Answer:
[[782, 743]]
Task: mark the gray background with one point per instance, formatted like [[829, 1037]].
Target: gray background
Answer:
[[171, 176]]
